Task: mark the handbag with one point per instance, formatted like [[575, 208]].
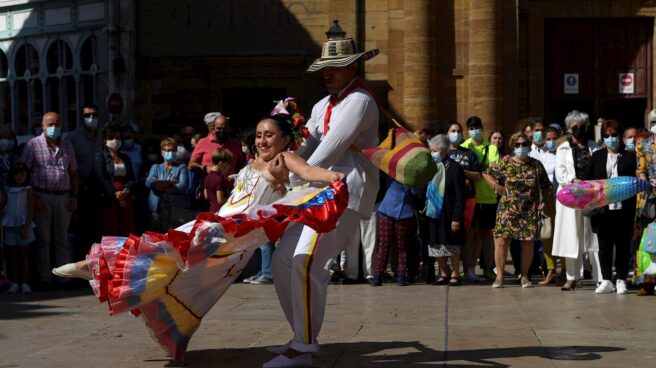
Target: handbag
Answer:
[[546, 227], [544, 221], [648, 243]]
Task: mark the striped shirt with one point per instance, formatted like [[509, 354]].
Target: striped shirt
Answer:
[[49, 167]]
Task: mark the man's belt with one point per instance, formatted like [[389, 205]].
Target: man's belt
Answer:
[[53, 192]]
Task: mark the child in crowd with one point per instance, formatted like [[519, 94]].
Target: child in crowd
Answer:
[[17, 226], [216, 185]]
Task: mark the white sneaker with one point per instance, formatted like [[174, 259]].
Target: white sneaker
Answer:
[[13, 289], [70, 272], [25, 289], [605, 287], [621, 287], [249, 279], [303, 360]]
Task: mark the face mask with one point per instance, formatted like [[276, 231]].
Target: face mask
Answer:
[[455, 137], [612, 142], [521, 152], [53, 132], [91, 123], [476, 134], [128, 143], [436, 157], [168, 156], [630, 145], [580, 132], [220, 134], [551, 145], [113, 144], [244, 149], [152, 157], [538, 138], [182, 152]]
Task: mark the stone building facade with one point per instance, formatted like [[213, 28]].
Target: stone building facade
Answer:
[[503, 60]]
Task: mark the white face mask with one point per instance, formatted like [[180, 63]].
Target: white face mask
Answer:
[[113, 144]]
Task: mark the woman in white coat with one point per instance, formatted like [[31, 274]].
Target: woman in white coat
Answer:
[[573, 234]]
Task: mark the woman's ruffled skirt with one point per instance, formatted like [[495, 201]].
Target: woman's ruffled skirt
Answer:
[[172, 280]]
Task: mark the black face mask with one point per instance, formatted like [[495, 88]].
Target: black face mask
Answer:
[[580, 132], [221, 134]]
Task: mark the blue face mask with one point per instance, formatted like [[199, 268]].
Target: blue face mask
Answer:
[[612, 142], [551, 145], [477, 133], [630, 145], [455, 137], [521, 152], [436, 157], [91, 123], [128, 143], [53, 132], [538, 137], [169, 156]]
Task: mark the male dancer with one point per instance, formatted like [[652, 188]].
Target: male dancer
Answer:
[[340, 126]]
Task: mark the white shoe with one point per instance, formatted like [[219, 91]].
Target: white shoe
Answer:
[[25, 289], [621, 287], [13, 289], [70, 272], [280, 349], [303, 360], [249, 279], [605, 287]]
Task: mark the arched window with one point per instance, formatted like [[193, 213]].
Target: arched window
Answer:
[[89, 66], [5, 96], [28, 91], [60, 90]]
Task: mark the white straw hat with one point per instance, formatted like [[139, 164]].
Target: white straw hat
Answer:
[[339, 51]]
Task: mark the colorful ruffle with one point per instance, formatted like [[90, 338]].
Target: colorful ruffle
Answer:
[[173, 279]]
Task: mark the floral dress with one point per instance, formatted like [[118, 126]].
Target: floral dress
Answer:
[[517, 214]]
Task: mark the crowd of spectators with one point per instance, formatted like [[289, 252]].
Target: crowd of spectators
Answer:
[[63, 192]]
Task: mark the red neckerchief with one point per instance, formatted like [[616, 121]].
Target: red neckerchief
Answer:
[[334, 100]]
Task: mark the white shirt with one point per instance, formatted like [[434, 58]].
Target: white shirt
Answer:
[[353, 127], [546, 157], [120, 170], [611, 171]]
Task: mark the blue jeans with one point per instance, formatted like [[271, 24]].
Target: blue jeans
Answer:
[[265, 269]]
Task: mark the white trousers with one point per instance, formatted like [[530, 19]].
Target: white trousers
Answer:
[[300, 273], [575, 266], [364, 236]]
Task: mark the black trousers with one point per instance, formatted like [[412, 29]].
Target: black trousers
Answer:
[[615, 231]]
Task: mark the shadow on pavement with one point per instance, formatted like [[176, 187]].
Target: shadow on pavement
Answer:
[[386, 354]]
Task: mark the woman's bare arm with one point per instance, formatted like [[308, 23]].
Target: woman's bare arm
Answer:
[[300, 168]]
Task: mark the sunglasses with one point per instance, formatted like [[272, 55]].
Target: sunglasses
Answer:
[[614, 135], [90, 115], [521, 144]]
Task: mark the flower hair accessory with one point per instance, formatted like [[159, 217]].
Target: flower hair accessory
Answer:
[[289, 108]]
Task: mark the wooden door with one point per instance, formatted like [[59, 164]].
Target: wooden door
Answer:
[[598, 50]]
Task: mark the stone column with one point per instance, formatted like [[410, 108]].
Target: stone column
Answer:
[[485, 62], [419, 62]]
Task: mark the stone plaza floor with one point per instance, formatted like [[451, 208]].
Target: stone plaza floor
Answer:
[[386, 326]]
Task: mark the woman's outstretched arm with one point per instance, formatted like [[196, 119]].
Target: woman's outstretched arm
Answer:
[[298, 166]]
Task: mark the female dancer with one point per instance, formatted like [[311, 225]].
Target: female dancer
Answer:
[[172, 280]]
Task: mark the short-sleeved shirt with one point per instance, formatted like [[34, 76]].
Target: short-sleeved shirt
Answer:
[[468, 160], [49, 167], [209, 144], [487, 154], [215, 182], [85, 152]]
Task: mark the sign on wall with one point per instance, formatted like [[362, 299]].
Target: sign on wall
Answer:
[[626, 83], [571, 85]]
